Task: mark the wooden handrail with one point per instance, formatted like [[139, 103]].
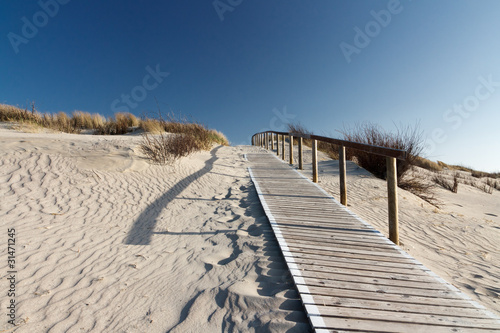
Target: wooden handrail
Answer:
[[377, 150], [262, 139]]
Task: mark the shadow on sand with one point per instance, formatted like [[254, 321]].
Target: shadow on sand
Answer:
[[144, 226]]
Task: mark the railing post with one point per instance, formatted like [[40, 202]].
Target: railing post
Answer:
[[283, 146], [301, 166], [272, 141], [342, 174], [290, 137], [266, 135], [315, 160], [278, 144], [392, 186]]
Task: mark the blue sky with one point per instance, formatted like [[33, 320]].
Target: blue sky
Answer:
[[244, 66]]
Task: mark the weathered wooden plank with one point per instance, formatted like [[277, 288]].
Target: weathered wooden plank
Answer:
[[383, 289], [328, 237], [347, 271], [358, 249], [408, 307], [393, 298], [348, 253], [304, 240], [375, 280], [405, 317], [359, 264], [371, 325]]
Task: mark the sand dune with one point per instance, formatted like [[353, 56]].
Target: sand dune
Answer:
[[107, 242]]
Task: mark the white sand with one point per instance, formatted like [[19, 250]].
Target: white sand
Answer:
[[460, 241], [106, 242]]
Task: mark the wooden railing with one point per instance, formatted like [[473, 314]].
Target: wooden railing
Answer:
[[269, 138]]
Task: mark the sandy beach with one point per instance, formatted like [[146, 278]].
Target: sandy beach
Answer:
[[107, 242]]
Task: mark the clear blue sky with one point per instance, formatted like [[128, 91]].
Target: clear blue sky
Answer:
[[242, 66]]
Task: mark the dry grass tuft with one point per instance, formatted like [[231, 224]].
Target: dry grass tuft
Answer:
[[427, 164], [446, 183], [165, 148], [161, 149], [151, 126]]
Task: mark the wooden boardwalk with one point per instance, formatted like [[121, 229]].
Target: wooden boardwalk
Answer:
[[349, 276]]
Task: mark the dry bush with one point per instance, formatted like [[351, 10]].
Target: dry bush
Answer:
[[445, 183], [421, 189], [493, 183], [406, 138], [164, 148], [204, 137]]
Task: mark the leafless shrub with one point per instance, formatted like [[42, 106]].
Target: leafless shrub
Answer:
[[493, 183], [405, 138], [445, 183], [421, 189], [164, 148]]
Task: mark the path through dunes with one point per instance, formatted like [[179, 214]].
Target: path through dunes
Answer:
[[149, 248]]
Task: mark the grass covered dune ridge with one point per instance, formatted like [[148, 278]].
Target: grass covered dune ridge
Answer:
[[196, 134], [120, 123]]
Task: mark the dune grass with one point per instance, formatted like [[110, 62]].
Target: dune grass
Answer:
[[191, 136]]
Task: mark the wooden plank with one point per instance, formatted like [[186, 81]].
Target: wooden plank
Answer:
[[356, 263], [388, 325], [304, 240], [405, 317], [347, 271], [383, 289], [338, 247], [332, 276], [383, 305], [393, 298]]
